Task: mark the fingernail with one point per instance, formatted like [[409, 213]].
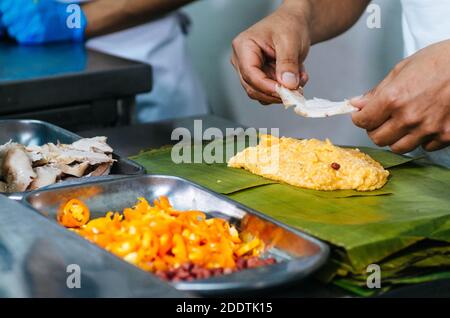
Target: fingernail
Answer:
[[289, 79], [357, 98], [358, 101]]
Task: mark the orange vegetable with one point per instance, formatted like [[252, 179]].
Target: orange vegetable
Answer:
[[74, 214], [157, 237]]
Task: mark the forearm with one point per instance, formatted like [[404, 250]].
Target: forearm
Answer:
[[327, 18], [106, 16]]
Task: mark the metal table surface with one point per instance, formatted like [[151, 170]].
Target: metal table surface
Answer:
[[35, 80], [130, 140]]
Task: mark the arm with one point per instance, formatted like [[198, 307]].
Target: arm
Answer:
[[38, 22], [106, 16], [273, 50], [330, 18]]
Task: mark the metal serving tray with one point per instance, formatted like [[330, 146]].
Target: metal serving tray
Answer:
[[298, 254], [37, 259], [35, 132]]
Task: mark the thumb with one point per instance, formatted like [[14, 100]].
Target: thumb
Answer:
[[361, 101], [287, 68]]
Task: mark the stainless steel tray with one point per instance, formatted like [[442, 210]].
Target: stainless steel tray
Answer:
[[36, 256], [35, 132], [298, 254]]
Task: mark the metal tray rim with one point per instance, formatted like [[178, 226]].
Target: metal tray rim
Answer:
[[40, 122], [199, 286]]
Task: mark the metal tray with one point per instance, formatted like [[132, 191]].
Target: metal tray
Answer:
[[35, 132], [37, 259], [298, 254]]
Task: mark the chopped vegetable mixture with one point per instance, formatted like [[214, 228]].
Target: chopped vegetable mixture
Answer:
[[175, 245]]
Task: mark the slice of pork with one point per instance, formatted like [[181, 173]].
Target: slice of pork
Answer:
[[45, 176], [51, 153], [313, 108], [102, 170], [17, 169], [68, 156], [3, 150], [96, 144], [76, 170], [43, 154]]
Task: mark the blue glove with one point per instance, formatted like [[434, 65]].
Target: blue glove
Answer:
[[42, 21]]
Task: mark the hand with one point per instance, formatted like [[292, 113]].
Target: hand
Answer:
[[272, 51], [411, 106], [40, 21]]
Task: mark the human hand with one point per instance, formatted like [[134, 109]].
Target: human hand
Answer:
[[411, 106], [272, 51], [41, 21]]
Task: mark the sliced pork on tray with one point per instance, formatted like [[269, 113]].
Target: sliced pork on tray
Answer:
[[29, 168]]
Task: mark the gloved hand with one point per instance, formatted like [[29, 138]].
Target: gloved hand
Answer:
[[41, 21]]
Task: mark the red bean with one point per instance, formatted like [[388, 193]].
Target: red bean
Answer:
[[335, 166], [190, 271], [241, 263]]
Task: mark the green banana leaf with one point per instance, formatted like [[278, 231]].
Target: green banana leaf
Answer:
[[387, 158], [361, 291], [365, 227], [224, 180], [217, 177], [360, 288], [419, 263]]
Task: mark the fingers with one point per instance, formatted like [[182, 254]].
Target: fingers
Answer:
[[434, 145], [361, 101], [22, 26], [6, 6], [249, 61], [270, 70], [304, 77], [261, 97], [408, 143], [259, 59], [288, 65], [251, 92], [377, 107], [374, 113], [388, 133], [440, 141]]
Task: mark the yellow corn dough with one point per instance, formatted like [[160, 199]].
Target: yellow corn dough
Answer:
[[311, 164]]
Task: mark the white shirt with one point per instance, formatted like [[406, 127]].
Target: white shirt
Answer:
[[177, 91], [426, 22]]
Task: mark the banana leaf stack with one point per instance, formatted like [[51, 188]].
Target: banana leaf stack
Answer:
[[403, 227]]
